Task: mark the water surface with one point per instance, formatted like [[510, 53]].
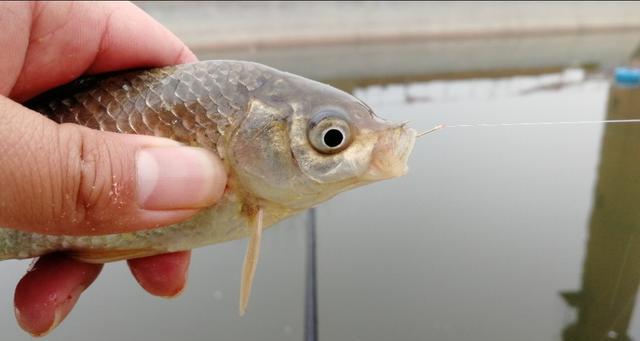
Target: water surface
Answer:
[[502, 233]]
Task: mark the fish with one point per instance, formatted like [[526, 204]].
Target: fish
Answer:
[[287, 143]]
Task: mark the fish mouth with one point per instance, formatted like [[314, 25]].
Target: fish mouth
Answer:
[[391, 153]]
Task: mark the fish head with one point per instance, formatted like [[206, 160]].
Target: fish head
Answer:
[[302, 142]]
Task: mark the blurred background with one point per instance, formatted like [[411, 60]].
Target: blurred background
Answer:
[[497, 233]]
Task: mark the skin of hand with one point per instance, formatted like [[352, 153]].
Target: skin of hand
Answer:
[[61, 178]]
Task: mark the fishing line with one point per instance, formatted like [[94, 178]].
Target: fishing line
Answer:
[[635, 120], [521, 124]]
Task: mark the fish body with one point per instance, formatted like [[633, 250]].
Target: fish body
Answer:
[[287, 144]]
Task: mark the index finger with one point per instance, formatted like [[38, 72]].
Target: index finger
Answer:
[[67, 40]]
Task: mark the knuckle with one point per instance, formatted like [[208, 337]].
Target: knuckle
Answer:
[[92, 182]]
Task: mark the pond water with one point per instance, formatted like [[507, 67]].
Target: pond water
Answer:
[[496, 233]]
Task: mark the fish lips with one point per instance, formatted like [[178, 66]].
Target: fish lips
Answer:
[[391, 153]]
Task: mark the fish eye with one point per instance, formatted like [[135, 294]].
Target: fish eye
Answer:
[[329, 132]]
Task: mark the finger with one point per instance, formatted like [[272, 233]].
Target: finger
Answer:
[[49, 290], [162, 275], [67, 179], [67, 39]]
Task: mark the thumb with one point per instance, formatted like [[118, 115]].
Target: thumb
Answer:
[[68, 179]]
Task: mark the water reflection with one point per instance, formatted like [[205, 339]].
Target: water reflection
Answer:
[[611, 275]]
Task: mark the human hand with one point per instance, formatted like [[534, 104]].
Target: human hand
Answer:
[[56, 179]]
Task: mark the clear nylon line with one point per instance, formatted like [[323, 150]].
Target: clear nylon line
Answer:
[[635, 120]]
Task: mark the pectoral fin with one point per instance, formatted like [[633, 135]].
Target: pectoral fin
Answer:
[[251, 260]]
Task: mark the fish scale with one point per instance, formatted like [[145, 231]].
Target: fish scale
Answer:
[[115, 105]]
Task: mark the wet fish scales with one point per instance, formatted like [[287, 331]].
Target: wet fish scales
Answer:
[[149, 102]]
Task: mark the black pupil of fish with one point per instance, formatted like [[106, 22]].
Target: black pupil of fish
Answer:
[[333, 138]]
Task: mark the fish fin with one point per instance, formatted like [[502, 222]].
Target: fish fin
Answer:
[[251, 260], [106, 256]]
